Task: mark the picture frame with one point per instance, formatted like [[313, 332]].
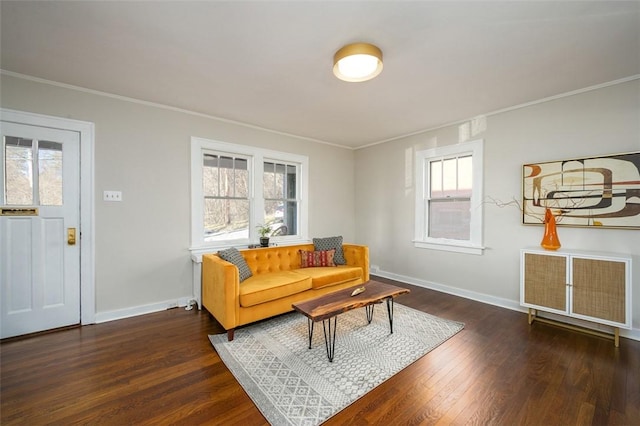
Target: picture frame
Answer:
[[600, 192]]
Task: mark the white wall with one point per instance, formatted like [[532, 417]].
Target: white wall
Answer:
[[142, 243], [142, 255], [597, 122]]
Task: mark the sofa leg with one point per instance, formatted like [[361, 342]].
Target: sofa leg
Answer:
[[230, 334]]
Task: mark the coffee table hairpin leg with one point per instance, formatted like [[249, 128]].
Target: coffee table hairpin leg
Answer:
[[310, 330], [390, 312], [330, 336], [369, 311]]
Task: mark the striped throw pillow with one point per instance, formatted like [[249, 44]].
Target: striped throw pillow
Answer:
[[309, 259]]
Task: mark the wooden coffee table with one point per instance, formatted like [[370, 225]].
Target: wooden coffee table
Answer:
[[329, 306]]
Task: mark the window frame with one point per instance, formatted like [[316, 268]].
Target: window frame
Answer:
[[284, 199], [256, 158], [234, 156], [423, 175]]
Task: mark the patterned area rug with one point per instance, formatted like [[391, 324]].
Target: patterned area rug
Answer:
[[294, 385]]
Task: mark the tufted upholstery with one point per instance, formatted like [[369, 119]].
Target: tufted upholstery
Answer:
[[273, 259], [277, 282]]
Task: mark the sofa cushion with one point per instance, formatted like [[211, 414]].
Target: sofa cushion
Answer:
[[233, 255], [274, 285], [310, 259], [328, 275], [331, 243]]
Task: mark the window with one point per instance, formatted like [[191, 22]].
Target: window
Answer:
[[280, 200], [225, 183], [235, 188], [26, 183], [449, 198]]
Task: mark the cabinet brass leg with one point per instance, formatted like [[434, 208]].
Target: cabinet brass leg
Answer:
[[616, 337]]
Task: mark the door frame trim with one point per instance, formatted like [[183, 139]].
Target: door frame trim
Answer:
[[86, 131]]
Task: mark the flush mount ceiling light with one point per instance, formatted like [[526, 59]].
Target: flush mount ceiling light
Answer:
[[357, 62]]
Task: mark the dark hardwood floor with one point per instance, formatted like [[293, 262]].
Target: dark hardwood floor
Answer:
[[161, 369]]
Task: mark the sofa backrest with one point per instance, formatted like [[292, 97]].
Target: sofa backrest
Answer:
[[276, 258]]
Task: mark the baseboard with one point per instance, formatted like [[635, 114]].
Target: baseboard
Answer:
[[142, 310], [467, 294], [513, 305]]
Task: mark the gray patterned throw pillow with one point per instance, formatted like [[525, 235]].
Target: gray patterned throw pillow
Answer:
[[233, 255], [331, 243]]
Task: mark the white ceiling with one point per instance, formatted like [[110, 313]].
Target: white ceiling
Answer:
[[269, 64]]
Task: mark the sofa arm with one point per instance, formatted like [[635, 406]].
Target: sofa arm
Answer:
[[221, 290], [357, 255]]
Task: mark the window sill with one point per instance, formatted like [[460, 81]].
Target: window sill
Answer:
[[450, 245]]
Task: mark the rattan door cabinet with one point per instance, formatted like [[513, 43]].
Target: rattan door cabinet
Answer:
[[590, 286]]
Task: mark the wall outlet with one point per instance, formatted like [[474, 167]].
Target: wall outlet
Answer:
[[112, 195], [374, 268]]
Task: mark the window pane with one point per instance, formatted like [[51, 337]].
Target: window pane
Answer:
[[269, 181], [226, 186], [280, 180], [450, 219], [225, 177], [210, 176], [274, 215], [226, 219], [50, 173], [452, 178], [18, 169], [465, 176], [275, 180], [273, 211], [241, 178], [449, 176], [291, 217], [279, 229], [436, 178], [291, 181]]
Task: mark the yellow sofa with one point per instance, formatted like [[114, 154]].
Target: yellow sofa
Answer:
[[277, 282]]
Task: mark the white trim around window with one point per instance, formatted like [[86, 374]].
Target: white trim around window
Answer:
[[256, 158], [423, 158]]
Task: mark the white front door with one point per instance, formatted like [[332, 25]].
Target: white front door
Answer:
[[40, 211]]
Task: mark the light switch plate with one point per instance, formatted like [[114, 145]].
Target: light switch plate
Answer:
[[112, 196]]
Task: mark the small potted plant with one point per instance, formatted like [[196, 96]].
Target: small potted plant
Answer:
[[264, 231]]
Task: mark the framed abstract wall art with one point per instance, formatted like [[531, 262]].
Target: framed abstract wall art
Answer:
[[595, 192]]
